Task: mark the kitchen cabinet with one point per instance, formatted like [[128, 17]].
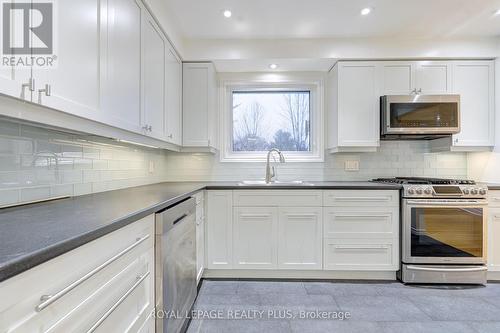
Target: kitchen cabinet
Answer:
[[493, 232], [398, 77], [121, 63], [199, 106], [361, 230], [433, 77], [353, 104], [474, 81], [219, 229], [200, 235], [72, 85], [173, 96], [153, 70], [300, 231], [107, 284], [255, 233]]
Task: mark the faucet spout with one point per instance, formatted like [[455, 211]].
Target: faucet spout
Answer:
[[270, 171]]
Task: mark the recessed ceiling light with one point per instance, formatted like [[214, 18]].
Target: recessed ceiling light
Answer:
[[273, 66], [366, 11], [227, 13], [497, 12]]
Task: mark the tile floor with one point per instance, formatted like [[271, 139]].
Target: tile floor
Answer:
[[373, 307]]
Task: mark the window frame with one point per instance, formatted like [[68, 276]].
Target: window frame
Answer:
[[277, 83]]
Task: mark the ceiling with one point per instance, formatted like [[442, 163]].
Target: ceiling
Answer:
[[266, 19]]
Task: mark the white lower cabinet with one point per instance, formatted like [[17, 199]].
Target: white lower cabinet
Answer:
[[300, 236], [493, 232], [344, 230], [360, 254], [255, 230], [219, 229], [106, 285], [200, 235]]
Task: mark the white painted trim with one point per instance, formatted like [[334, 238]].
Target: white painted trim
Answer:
[[298, 274], [493, 276], [314, 82]]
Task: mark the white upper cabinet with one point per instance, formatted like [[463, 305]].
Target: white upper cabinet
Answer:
[[398, 77], [153, 69], [173, 96], [121, 63], [199, 105], [474, 81], [433, 77], [353, 100], [72, 86]]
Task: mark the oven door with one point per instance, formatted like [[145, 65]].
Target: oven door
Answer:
[[444, 231], [421, 114]]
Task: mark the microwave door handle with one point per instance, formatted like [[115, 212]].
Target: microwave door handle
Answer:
[[451, 270]]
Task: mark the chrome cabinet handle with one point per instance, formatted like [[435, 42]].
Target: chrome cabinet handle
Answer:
[[362, 247], [147, 128], [372, 199], [170, 136], [47, 300], [30, 85], [120, 301], [46, 91], [451, 270]]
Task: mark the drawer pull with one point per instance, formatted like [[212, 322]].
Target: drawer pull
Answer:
[[361, 247], [496, 216], [120, 301], [366, 217], [47, 300], [364, 199]]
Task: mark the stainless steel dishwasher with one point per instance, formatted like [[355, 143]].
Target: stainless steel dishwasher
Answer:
[[175, 265]]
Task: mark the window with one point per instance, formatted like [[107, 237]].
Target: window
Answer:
[[271, 119], [258, 116]]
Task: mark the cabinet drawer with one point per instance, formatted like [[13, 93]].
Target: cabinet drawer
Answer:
[[494, 199], [361, 198], [360, 223], [360, 255], [79, 282], [283, 198]]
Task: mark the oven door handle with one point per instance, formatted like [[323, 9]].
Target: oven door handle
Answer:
[[447, 270], [467, 203]]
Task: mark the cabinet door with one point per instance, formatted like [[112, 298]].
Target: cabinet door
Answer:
[[300, 238], [197, 104], [121, 63], [398, 78], [13, 78], [358, 105], [74, 81], [173, 80], [153, 92], [219, 228], [433, 77], [494, 240], [474, 82], [255, 237]]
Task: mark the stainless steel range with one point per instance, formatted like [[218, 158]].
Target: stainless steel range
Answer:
[[443, 238]]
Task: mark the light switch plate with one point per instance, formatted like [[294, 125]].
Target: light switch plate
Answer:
[[351, 165]]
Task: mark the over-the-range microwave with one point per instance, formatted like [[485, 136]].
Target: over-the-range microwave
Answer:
[[419, 116]]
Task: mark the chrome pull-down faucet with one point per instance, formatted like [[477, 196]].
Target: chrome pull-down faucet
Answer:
[[270, 171]]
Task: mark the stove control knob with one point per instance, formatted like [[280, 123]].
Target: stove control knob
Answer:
[[465, 191], [473, 191], [482, 191], [428, 191], [419, 191], [411, 190]]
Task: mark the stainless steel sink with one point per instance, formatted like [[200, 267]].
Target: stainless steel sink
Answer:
[[273, 183]]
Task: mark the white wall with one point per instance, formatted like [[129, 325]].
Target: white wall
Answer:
[[404, 158], [486, 166]]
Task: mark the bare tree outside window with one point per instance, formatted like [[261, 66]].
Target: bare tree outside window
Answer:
[[271, 119]]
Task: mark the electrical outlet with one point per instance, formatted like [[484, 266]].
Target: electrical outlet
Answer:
[[351, 165], [151, 166]]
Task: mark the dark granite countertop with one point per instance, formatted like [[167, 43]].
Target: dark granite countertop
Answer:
[[35, 233]]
